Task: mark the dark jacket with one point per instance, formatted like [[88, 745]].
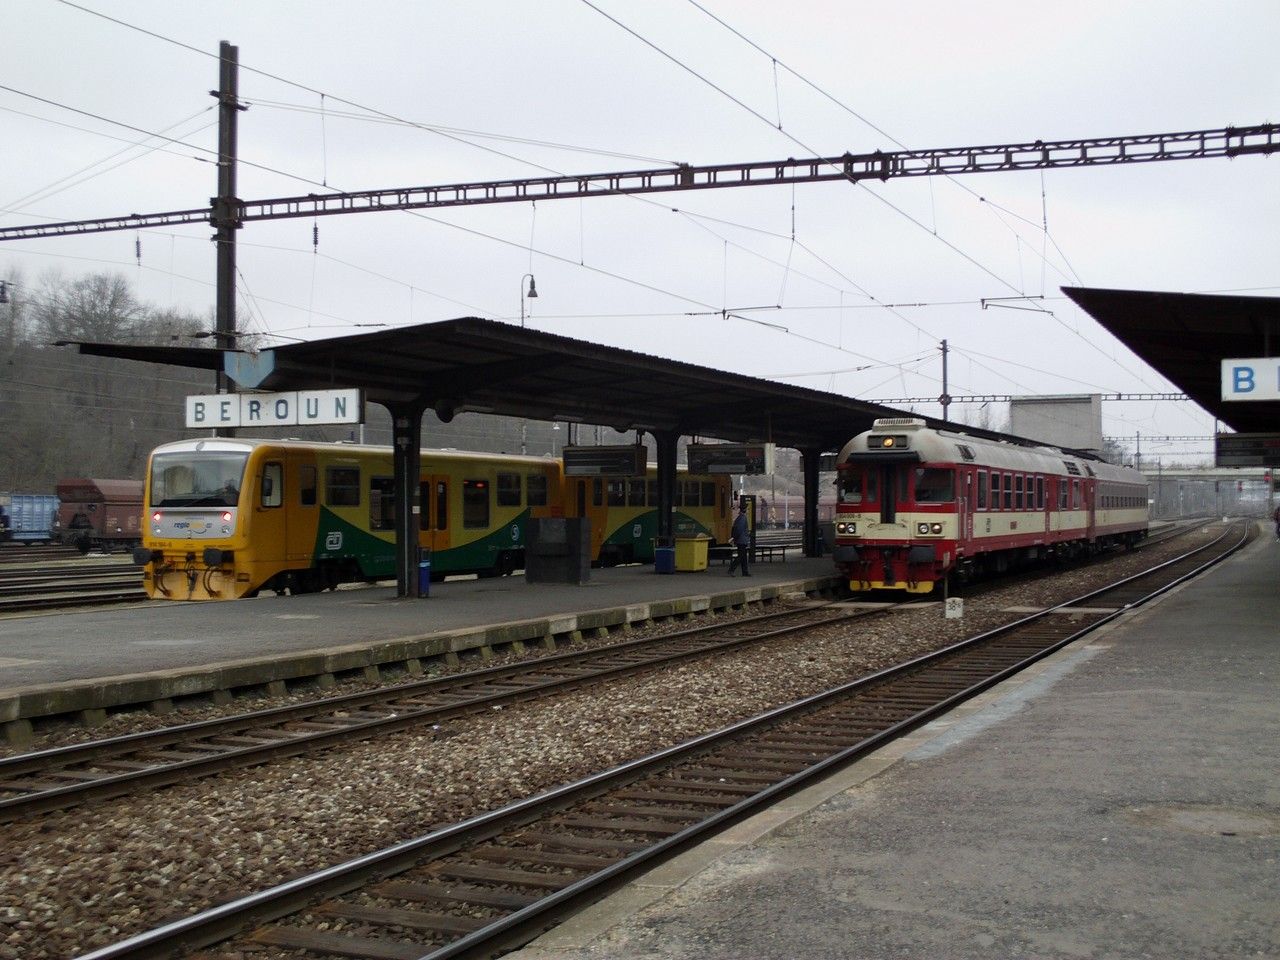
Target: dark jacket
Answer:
[[741, 536]]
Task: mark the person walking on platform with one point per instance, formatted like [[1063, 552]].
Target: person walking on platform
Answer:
[[741, 537]]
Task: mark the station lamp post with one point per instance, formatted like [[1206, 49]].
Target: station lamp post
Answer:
[[531, 294]]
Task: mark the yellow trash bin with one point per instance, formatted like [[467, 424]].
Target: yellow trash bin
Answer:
[[691, 553]]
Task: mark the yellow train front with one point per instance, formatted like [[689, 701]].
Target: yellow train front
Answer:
[[915, 506], [226, 518]]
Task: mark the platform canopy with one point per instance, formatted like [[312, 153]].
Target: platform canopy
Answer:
[[1186, 336], [470, 364]]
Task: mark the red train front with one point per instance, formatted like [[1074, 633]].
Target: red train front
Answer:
[[916, 505]]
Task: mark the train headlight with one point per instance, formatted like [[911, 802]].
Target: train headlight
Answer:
[[935, 528], [226, 517], [847, 527], [922, 528]]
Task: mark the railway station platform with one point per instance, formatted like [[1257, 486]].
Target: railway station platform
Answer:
[[81, 664], [1118, 800]]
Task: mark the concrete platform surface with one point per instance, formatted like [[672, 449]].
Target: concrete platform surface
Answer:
[[1119, 800]]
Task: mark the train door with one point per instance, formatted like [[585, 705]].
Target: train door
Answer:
[[889, 475], [585, 498], [270, 517], [434, 520], [302, 508], [1089, 486]]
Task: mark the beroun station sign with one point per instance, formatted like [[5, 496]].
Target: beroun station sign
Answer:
[[288, 409]]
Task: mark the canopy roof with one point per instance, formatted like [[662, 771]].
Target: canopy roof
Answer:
[[490, 367], [1185, 336]]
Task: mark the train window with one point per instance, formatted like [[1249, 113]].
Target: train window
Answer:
[[617, 493], [475, 504], [982, 489], [272, 486], [597, 492], [442, 505], [508, 489], [424, 497], [708, 493], [1075, 494], [677, 497], [307, 486], [1017, 492], [342, 486], [537, 489], [651, 490], [857, 484], [382, 503], [1039, 493], [635, 493], [995, 491], [692, 493], [935, 485], [1008, 492], [1064, 488]]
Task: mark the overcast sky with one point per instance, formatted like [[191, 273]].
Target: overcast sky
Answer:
[[350, 96]]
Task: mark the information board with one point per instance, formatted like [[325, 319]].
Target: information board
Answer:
[[1246, 450], [1255, 378], [750, 458], [614, 461]]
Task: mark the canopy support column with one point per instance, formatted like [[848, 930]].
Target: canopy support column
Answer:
[[809, 459], [406, 425], [666, 443]]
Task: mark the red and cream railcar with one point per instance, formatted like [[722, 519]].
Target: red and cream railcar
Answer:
[[916, 505]]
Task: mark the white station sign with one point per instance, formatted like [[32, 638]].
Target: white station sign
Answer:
[[1257, 379], [288, 409]]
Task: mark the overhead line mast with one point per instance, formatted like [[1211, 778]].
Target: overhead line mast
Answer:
[[949, 161]]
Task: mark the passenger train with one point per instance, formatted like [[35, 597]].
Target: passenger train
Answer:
[[916, 506], [226, 518]]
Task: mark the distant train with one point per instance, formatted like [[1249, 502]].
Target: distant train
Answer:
[[99, 514], [916, 506], [226, 518], [30, 518]]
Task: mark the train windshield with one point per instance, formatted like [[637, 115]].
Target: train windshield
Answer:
[[196, 479], [858, 483], [934, 485]]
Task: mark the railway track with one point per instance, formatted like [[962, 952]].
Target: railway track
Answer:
[[64, 583], [67, 776], [55, 779], [496, 880]]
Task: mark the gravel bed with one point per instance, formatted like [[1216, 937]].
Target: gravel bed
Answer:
[[84, 878]]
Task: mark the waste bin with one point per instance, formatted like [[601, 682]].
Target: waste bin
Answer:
[[691, 553], [424, 572], [664, 559]]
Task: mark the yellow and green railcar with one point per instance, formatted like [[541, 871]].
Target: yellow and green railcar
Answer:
[[624, 512], [226, 518]]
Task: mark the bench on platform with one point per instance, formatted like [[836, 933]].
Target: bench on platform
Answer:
[[760, 552]]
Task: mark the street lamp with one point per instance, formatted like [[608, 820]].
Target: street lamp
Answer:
[[532, 294]]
